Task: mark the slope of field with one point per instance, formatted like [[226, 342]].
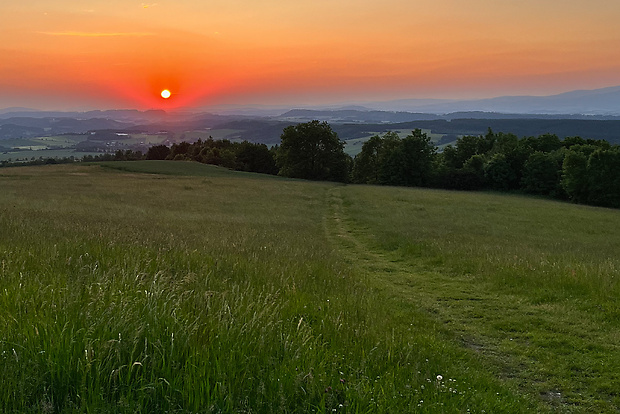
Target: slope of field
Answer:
[[180, 287], [532, 286]]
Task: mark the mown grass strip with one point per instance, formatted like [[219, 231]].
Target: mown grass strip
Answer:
[[530, 285]]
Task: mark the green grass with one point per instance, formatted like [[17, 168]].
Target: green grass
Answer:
[[61, 141], [191, 169], [531, 285], [181, 287]]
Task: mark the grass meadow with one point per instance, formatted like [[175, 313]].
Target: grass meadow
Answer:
[[144, 287]]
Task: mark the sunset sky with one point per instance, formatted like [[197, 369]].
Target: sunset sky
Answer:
[[100, 54]]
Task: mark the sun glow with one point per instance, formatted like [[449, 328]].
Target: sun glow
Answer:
[[165, 94]]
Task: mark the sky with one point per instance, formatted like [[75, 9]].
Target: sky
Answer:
[[113, 54]]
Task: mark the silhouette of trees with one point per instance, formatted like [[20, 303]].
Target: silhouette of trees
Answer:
[[394, 161], [313, 151], [242, 156], [157, 152]]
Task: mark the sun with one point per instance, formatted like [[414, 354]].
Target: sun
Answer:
[[165, 94]]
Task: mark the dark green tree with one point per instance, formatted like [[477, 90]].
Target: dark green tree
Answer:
[[466, 147], [370, 165], [472, 173], [391, 160], [408, 161], [604, 178], [575, 176], [542, 173], [179, 151], [498, 173], [366, 165], [504, 143], [418, 152], [313, 151], [544, 143], [157, 152], [256, 158]]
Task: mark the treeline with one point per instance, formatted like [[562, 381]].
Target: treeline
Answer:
[[241, 156], [582, 170], [127, 155]]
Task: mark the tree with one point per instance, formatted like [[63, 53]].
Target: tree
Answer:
[[408, 161], [313, 151], [179, 151], [498, 173], [472, 174], [366, 163], [256, 158], [418, 152], [370, 164], [391, 162], [542, 172], [466, 147], [575, 176], [545, 143], [604, 178]]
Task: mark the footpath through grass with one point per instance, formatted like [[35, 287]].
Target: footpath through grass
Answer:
[[531, 286], [202, 290]]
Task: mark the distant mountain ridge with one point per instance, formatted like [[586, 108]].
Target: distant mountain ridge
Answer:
[[390, 117], [122, 115], [604, 101]]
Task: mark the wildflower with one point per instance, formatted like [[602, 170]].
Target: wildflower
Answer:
[[439, 377]]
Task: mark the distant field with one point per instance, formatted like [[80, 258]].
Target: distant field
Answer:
[[213, 133], [45, 153], [64, 141], [144, 139], [181, 287], [59, 141], [59, 146]]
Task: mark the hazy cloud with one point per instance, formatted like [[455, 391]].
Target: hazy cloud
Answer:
[[147, 5], [98, 34]]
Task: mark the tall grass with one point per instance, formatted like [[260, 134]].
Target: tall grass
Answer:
[[124, 292]]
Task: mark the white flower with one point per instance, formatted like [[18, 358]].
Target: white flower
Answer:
[[439, 377]]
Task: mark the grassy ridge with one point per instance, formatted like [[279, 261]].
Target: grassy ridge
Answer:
[[188, 169], [222, 292]]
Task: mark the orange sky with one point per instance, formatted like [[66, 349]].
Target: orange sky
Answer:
[[80, 54]]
